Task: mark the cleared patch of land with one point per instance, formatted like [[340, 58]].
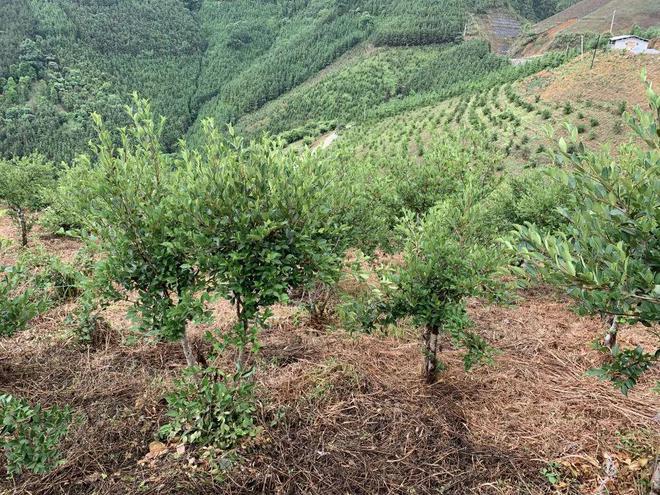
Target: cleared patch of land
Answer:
[[592, 16]]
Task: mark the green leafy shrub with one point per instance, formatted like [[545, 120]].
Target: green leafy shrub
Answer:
[[89, 327], [444, 264], [210, 408], [30, 435], [62, 216], [448, 163], [606, 256], [57, 281], [362, 312], [19, 300], [626, 366], [265, 220], [147, 252], [244, 220]]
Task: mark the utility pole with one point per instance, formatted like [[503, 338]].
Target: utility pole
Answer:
[[595, 48], [612, 25]]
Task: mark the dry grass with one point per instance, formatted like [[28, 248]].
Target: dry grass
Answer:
[[615, 77], [64, 248], [346, 414]]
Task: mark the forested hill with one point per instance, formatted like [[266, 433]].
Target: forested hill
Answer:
[[60, 60]]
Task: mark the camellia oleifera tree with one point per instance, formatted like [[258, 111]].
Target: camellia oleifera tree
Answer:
[[449, 255], [608, 254], [266, 220], [128, 200], [440, 272], [23, 182], [244, 221]]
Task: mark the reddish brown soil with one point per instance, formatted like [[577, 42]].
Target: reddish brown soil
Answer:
[[615, 77], [544, 40]]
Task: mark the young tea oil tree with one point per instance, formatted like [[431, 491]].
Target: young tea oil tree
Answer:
[[23, 181], [62, 216], [449, 253], [131, 207], [266, 220], [608, 254], [448, 257], [443, 266]]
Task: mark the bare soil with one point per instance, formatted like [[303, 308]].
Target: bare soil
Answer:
[[615, 77]]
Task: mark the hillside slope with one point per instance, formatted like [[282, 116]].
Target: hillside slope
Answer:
[[591, 16], [60, 60], [515, 115]]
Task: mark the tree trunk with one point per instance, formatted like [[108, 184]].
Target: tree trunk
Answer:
[[655, 479], [243, 352], [22, 224], [431, 335], [610, 338], [188, 351]]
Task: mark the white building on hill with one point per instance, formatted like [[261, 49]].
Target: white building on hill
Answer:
[[632, 43]]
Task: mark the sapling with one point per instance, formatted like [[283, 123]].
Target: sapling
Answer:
[[442, 269], [449, 256], [131, 208], [22, 184], [265, 220]]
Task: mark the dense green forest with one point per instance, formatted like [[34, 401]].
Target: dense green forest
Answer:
[[61, 60]]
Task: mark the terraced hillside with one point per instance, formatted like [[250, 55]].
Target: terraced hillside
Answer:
[[499, 27], [382, 82], [516, 116]]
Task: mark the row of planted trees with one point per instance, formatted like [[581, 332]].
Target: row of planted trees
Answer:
[[247, 222], [244, 221], [252, 222]]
